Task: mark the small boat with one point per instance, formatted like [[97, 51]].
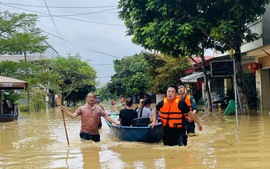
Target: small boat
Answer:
[[9, 112], [137, 133], [8, 117]]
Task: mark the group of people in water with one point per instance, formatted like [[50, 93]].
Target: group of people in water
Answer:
[[177, 112]]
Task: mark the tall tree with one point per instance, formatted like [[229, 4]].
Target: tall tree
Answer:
[[71, 74], [163, 26], [104, 94], [18, 33], [131, 77], [36, 72], [183, 27], [79, 94], [164, 70]]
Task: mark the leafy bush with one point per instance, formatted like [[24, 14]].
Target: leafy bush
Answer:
[[23, 107], [37, 100]]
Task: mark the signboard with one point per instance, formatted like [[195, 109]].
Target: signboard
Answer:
[[222, 68], [7, 84]]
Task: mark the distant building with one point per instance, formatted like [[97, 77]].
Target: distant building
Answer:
[[48, 54]]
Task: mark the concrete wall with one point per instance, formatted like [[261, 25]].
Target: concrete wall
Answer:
[[266, 26], [265, 83]]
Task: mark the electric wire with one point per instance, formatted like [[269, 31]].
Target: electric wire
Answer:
[[59, 35], [59, 16], [85, 46], [56, 29], [73, 7]]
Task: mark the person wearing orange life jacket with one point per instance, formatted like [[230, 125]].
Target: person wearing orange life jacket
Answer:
[[171, 113], [190, 101]]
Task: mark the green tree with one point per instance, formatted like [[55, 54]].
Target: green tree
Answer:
[[37, 100], [71, 73], [181, 28], [79, 94], [131, 77], [36, 72], [164, 70], [10, 69], [104, 93], [18, 33], [163, 26]]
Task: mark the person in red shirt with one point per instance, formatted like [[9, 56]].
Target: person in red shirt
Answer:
[[90, 118]]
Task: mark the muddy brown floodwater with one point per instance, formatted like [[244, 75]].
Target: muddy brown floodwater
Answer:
[[37, 140]]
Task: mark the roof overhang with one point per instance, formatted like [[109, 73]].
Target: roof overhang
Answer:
[[192, 77], [11, 83]]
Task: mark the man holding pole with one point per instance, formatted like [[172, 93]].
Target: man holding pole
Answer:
[[90, 114]]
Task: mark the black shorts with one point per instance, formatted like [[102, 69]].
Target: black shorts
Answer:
[[86, 136], [174, 137]]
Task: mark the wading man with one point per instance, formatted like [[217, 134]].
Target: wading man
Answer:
[[171, 114], [90, 118]]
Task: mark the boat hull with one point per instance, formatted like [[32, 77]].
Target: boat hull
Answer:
[[137, 133], [8, 117]]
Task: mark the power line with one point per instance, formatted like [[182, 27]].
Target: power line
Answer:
[[63, 16], [88, 13], [73, 7], [101, 23], [56, 28], [59, 16], [87, 47], [79, 14]]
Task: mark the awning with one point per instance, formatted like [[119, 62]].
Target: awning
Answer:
[[193, 77], [11, 83]]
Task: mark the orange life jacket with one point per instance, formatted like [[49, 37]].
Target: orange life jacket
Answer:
[[188, 102], [170, 114]]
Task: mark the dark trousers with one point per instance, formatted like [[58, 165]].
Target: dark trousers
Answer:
[[85, 136], [174, 137], [190, 127]]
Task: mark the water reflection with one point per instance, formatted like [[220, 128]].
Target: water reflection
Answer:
[[37, 140]]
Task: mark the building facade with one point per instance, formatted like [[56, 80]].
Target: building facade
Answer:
[[257, 52]]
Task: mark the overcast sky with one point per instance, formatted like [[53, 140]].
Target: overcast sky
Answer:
[[88, 27]]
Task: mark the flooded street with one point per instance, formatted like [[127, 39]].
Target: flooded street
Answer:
[[38, 140]]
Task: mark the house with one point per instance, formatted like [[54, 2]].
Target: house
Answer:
[[256, 52], [218, 86]]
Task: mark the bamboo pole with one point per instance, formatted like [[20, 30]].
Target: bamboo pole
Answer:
[[59, 102], [64, 122]]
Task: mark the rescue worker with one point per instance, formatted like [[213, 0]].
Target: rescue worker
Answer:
[[171, 114], [190, 101]]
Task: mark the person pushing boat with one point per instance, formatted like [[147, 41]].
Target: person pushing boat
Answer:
[[171, 114], [90, 115]]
